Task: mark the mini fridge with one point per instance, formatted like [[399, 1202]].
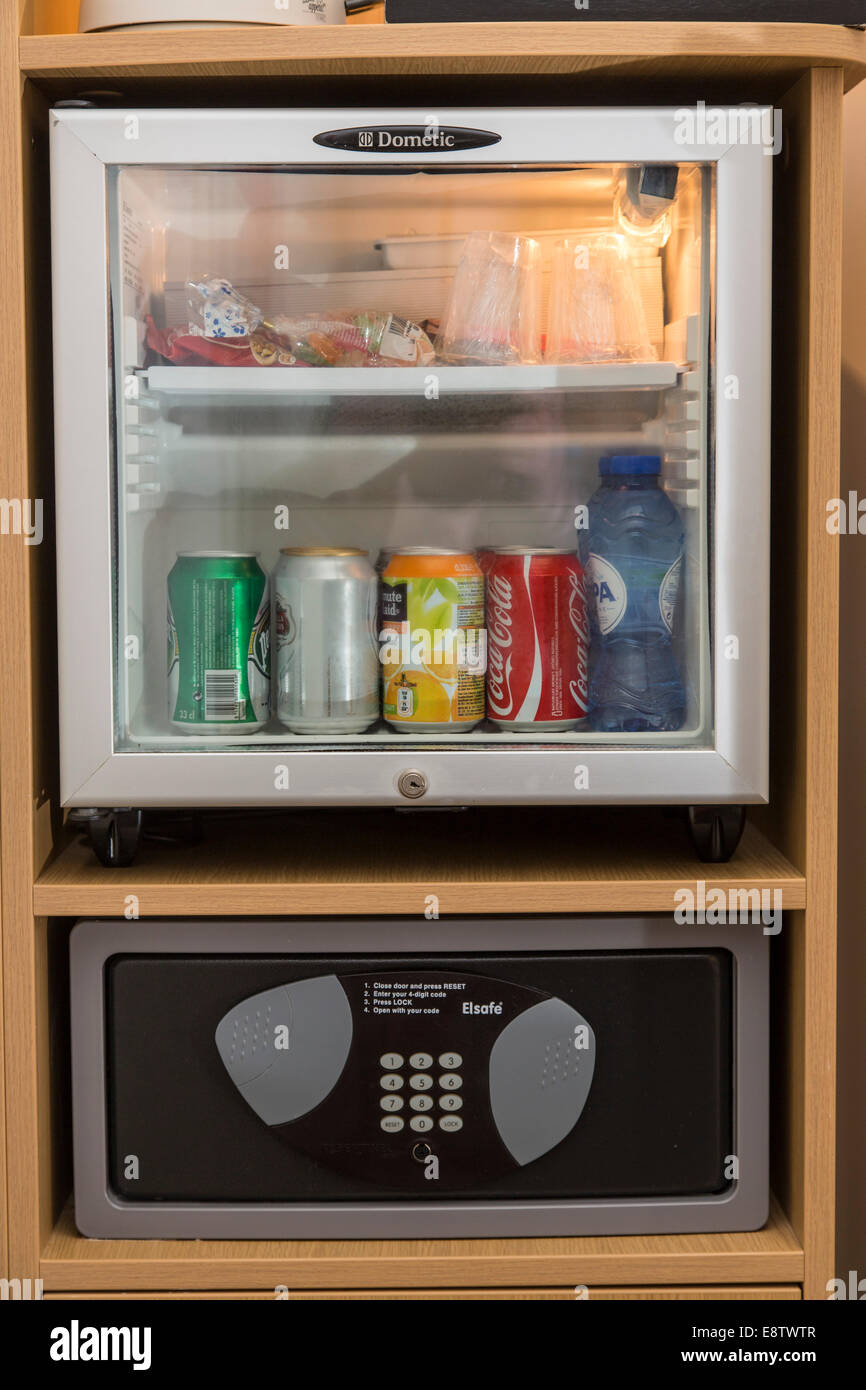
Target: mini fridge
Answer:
[[359, 334]]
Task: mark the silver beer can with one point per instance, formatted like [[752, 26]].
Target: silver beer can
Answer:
[[327, 656]]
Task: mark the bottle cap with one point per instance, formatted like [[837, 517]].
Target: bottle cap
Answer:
[[644, 465]]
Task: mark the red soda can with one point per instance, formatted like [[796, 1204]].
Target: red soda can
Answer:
[[537, 639]]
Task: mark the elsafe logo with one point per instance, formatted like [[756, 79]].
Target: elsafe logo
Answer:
[[77, 1343]]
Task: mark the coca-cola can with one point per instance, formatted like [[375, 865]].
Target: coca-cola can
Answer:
[[537, 639]]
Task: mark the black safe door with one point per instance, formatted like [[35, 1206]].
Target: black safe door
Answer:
[[391, 1062]]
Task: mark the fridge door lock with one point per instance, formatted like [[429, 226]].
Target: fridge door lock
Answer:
[[412, 784]]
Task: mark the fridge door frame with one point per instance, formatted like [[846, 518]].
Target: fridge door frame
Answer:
[[736, 770]]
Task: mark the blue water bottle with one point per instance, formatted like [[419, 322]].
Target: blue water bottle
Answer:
[[633, 557]]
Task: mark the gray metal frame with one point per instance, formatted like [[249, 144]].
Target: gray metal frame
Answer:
[[736, 770], [100, 1213]]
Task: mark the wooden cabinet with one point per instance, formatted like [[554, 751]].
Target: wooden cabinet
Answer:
[[521, 862]]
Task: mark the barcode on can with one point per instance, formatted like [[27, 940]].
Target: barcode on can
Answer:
[[222, 696]]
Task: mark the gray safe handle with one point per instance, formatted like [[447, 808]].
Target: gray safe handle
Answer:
[[540, 1078], [285, 1049]]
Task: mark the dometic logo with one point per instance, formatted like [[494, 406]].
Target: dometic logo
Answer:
[[77, 1343], [421, 139]]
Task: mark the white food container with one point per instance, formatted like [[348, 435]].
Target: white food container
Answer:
[[403, 252], [205, 14]]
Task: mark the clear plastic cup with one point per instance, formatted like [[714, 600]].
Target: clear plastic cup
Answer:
[[493, 313], [596, 310]]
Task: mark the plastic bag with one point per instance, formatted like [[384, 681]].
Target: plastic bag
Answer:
[[221, 313], [342, 340]]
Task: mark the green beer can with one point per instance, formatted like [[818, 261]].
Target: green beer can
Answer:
[[219, 630]]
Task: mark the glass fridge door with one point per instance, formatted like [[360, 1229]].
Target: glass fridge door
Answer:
[[415, 459]]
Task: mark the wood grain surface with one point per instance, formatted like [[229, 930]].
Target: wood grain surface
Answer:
[[710, 1293], [708, 51], [312, 862], [770, 1256]]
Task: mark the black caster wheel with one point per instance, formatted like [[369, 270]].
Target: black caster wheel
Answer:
[[716, 831], [114, 836]]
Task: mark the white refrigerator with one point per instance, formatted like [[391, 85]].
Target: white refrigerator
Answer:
[[180, 431]]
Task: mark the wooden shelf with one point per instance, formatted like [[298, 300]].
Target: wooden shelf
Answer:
[[657, 51], [708, 1293], [314, 863], [770, 1256]]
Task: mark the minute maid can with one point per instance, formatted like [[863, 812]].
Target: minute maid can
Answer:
[[433, 641], [219, 658]]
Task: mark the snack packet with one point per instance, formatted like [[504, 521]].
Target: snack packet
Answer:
[[220, 311], [221, 314], [343, 340]]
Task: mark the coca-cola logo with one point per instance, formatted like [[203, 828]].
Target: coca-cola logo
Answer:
[[499, 640], [578, 613]]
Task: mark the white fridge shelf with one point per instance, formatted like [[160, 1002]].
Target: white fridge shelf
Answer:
[[255, 382]]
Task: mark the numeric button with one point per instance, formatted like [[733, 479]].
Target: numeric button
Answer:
[[450, 1081], [450, 1061], [420, 1103], [390, 1061], [421, 1124], [391, 1102], [420, 1061], [451, 1102], [391, 1082], [419, 1082]]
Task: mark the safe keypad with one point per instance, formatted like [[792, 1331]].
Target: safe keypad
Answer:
[[426, 1073]]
